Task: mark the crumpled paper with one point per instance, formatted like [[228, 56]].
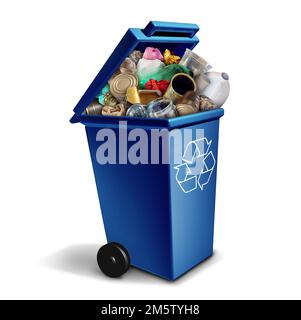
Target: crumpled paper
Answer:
[[152, 54]]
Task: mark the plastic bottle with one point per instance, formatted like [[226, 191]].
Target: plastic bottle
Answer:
[[218, 89]]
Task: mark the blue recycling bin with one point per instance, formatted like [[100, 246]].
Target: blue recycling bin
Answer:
[[157, 217]]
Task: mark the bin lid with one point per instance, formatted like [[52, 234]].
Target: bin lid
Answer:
[[163, 35]]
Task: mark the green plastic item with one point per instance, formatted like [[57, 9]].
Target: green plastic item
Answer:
[[166, 73]]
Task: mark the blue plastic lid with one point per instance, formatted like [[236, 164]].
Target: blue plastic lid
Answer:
[[163, 35]]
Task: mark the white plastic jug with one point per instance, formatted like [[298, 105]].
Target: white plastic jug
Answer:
[[218, 89]]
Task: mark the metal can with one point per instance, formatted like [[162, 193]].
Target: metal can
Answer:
[[179, 85], [120, 84], [94, 108], [188, 104]]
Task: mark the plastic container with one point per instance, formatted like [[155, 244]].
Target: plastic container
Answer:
[[155, 218], [219, 88], [161, 108], [195, 63]]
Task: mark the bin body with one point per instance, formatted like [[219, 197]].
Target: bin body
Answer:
[[166, 224], [165, 230]]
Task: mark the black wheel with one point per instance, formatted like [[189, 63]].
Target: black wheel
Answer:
[[113, 260]]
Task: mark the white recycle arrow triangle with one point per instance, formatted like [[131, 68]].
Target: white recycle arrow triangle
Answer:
[[195, 149], [182, 172], [187, 182], [197, 167], [205, 176]]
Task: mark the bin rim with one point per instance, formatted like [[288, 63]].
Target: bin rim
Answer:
[[148, 123]]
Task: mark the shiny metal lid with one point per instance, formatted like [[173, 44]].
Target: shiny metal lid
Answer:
[[120, 84]]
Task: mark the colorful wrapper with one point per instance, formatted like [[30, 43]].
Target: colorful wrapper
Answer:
[[170, 58], [132, 95], [102, 94]]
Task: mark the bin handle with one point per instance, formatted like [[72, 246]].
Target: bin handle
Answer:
[[170, 29]]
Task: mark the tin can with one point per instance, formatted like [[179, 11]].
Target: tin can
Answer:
[[179, 85], [188, 104], [120, 84], [94, 108]]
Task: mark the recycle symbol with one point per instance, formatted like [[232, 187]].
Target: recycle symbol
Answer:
[[197, 166]]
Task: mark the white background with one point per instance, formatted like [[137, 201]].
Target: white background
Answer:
[[50, 221]]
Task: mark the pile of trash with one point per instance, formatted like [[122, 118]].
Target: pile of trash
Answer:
[[156, 85]]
